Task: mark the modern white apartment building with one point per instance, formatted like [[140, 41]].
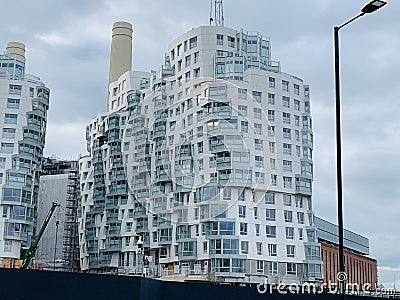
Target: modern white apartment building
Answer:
[[24, 101], [207, 161]]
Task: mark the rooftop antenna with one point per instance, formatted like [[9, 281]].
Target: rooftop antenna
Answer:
[[211, 8], [218, 13]]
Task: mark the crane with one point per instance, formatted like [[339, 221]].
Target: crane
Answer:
[[218, 12], [30, 253]]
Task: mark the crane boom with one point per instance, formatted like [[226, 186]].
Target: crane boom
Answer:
[[30, 253]]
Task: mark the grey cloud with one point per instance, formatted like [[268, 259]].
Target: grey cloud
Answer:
[[301, 37]]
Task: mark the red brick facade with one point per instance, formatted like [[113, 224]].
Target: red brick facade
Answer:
[[359, 268]]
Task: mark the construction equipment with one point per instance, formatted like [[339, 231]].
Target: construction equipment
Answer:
[[30, 253]]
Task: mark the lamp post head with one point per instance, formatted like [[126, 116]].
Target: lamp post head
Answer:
[[373, 6]]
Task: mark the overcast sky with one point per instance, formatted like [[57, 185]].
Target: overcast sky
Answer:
[[68, 45]]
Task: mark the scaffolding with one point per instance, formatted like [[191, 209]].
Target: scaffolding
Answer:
[[70, 234]]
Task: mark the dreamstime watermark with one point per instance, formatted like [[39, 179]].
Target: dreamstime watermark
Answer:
[[319, 288]]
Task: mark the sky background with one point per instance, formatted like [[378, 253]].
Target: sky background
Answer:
[[68, 46]]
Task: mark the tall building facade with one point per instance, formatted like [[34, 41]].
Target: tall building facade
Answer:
[[202, 168], [58, 248], [23, 115]]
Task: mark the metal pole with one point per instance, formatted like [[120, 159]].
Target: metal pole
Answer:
[[342, 283]]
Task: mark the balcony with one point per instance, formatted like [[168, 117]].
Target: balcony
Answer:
[[140, 212], [142, 226], [165, 240], [223, 163]]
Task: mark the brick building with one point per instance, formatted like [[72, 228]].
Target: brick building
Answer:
[[360, 268]]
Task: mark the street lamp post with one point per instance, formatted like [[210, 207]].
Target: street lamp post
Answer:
[[369, 8]]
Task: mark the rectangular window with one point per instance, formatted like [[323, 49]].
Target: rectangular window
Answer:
[[187, 60], [298, 151], [7, 147], [288, 215], [8, 133], [289, 233], [299, 202], [7, 246], [271, 115], [270, 231], [300, 217], [14, 89], [285, 86], [260, 264], [13, 103], [286, 133], [286, 117], [272, 162], [271, 98], [271, 82], [287, 182], [196, 73], [259, 161], [196, 57], [242, 211], [273, 179], [260, 177], [200, 147], [243, 228], [287, 200], [270, 214], [244, 126], [271, 130], [193, 42], [287, 149], [244, 247], [286, 102], [259, 248], [257, 128], [296, 89], [269, 198], [242, 93], [240, 195], [257, 96], [290, 250], [296, 120], [242, 109], [291, 268], [273, 268], [231, 41], [287, 166], [220, 39], [2, 162], [297, 135], [258, 144], [10, 118], [272, 250], [227, 194], [296, 104], [271, 147]]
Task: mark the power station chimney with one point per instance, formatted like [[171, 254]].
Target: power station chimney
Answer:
[[17, 49], [121, 50]]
